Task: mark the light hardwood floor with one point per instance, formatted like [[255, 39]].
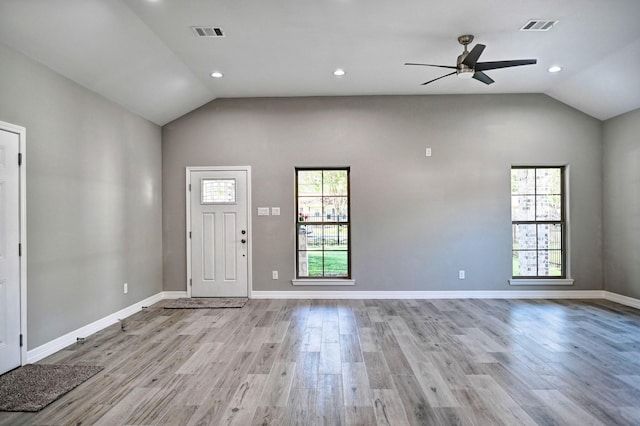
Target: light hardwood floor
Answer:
[[332, 362]]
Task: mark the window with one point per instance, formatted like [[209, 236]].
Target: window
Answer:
[[538, 222], [322, 224]]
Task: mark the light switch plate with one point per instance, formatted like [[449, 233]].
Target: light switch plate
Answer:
[[275, 211], [263, 211]]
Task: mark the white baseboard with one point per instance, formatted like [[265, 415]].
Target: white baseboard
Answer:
[[623, 300], [173, 294], [62, 342], [531, 294]]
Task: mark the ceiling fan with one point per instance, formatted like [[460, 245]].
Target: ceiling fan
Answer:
[[468, 65]]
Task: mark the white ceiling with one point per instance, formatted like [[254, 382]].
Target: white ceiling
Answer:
[[143, 55]]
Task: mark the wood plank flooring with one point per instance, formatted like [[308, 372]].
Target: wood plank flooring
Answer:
[[360, 362]]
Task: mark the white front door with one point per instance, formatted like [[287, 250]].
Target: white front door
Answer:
[[219, 232], [10, 350]]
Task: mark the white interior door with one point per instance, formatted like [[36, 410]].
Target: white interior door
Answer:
[[219, 233], [10, 350]]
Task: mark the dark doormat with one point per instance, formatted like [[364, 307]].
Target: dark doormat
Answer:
[[207, 303], [34, 386]]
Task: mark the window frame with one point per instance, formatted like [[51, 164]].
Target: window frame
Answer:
[[324, 279], [563, 278]]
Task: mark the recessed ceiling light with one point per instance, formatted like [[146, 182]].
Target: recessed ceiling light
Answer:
[[339, 72], [555, 68], [217, 74]]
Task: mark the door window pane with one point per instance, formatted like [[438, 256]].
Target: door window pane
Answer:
[[218, 191]]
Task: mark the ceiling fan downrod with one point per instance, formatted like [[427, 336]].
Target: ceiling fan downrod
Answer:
[[463, 71]]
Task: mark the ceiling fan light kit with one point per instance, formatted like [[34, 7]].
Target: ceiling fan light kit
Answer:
[[467, 65], [465, 73]]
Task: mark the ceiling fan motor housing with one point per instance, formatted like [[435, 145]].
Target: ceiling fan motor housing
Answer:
[[464, 71]]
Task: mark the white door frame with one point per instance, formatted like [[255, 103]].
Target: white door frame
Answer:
[[246, 169], [22, 194]]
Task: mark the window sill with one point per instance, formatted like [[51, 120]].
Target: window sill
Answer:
[[323, 282], [548, 281]]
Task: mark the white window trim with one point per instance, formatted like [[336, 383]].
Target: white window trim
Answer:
[[541, 281], [324, 282]]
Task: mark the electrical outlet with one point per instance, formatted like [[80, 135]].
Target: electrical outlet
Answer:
[[274, 275], [126, 288], [461, 274], [428, 152]]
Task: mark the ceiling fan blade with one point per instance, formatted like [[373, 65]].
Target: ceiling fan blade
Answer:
[[431, 81], [480, 76], [473, 56], [430, 65], [485, 66]]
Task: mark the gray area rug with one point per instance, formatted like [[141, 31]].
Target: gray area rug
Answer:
[[207, 303], [34, 386]]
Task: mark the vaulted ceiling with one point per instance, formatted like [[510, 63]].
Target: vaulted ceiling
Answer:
[[145, 56]]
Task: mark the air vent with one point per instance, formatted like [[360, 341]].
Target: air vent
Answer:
[[538, 25], [208, 31]]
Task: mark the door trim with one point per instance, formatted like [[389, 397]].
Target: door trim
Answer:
[[22, 229], [246, 169]]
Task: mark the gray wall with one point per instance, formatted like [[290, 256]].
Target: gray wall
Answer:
[[415, 220], [93, 199], [622, 204]]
